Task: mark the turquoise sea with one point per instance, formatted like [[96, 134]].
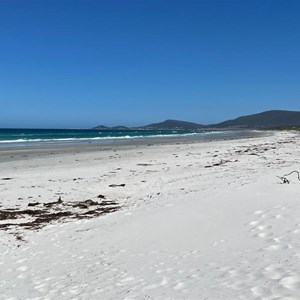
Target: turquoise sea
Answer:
[[29, 137]]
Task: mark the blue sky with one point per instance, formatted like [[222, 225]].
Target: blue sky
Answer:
[[82, 63]]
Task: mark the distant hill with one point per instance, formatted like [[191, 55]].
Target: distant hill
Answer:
[[168, 124], [101, 127], [267, 119], [120, 128], [173, 124]]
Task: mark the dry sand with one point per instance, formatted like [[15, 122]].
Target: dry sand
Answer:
[[166, 221]]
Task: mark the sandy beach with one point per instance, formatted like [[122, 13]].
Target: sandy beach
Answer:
[[181, 220]]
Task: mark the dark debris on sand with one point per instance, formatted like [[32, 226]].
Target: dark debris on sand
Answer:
[[39, 215], [117, 185]]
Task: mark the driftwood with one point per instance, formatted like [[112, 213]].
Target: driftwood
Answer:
[[116, 185], [285, 180], [49, 204], [34, 204], [292, 173], [222, 162]]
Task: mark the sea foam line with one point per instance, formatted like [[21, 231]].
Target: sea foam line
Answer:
[[100, 138]]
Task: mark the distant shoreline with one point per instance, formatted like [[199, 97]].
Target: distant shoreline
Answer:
[[48, 138], [13, 152]]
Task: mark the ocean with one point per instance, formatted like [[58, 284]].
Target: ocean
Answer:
[[32, 137]]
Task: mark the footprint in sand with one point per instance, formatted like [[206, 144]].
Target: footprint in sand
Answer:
[[291, 282], [261, 291], [277, 247]]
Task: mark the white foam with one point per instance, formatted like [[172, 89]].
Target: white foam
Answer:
[[99, 138]]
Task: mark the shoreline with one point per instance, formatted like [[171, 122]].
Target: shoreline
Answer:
[[18, 152], [109, 140]]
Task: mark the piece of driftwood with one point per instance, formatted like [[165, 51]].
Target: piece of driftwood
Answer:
[[222, 162], [49, 204], [284, 180], [292, 173], [284, 177], [33, 204], [116, 185]]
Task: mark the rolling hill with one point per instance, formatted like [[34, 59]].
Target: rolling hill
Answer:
[[267, 119], [173, 124]]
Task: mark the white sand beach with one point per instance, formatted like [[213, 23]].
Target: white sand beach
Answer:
[[192, 220]]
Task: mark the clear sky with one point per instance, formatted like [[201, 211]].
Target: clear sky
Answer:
[[83, 63]]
